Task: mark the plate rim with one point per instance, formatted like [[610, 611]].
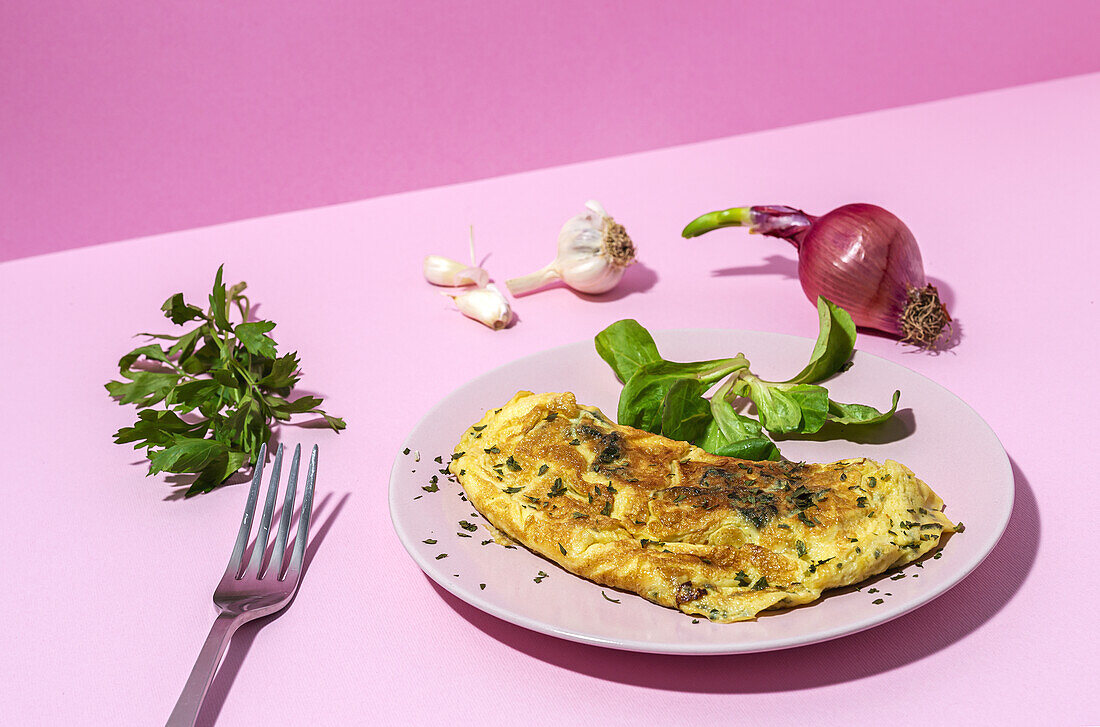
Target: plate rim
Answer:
[[724, 648]]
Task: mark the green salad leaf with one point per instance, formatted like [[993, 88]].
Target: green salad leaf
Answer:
[[860, 413], [685, 413], [626, 347], [642, 399], [836, 340], [227, 380], [731, 434], [669, 397]]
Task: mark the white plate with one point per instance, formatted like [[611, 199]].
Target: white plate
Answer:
[[935, 433]]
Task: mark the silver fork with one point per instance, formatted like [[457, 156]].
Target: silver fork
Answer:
[[242, 596]]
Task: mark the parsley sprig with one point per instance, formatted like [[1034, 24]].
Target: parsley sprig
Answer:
[[208, 399]]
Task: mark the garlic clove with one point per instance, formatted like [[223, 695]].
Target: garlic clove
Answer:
[[486, 305], [472, 276], [440, 270]]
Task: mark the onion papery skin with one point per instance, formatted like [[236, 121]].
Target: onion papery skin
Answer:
[[864, 259]]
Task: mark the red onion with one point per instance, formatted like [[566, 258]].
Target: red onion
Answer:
[[859, 256]]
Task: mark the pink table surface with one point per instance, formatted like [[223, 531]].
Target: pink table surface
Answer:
[[109, 574]]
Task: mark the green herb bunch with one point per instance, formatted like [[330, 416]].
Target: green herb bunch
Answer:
[[669, 397], [220, 387]]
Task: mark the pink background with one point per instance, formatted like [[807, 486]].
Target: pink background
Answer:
[[122, 118], [108, 575]]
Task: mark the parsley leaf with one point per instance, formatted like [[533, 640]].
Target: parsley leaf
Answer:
[[228, 379]]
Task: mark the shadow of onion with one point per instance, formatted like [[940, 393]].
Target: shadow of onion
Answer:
[[784, 267], [904, 640]]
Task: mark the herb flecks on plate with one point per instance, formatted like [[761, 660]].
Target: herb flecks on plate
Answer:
[[207, 398]]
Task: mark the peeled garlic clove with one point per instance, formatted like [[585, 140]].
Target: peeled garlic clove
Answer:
[[485, 305], [593, 252], [440, 270]]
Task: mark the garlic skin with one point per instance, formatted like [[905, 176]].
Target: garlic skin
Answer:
[[439, 270], [593, 253], [486, 305]]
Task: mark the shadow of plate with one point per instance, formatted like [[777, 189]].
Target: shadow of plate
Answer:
[[907, 639]]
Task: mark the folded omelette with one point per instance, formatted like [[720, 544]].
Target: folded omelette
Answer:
[[712, 536]]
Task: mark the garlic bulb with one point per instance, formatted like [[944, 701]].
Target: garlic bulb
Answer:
[[593, 252], [441, 270], [485, 305]]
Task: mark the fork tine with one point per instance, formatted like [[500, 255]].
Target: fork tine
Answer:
[[303, 519], [276, 565], [249, 508], [260, 548]]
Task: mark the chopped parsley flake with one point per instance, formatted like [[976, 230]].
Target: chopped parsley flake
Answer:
[[609, 598], [431, 541], [543, 468]]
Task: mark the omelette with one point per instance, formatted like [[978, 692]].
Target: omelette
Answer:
[[712, 536]]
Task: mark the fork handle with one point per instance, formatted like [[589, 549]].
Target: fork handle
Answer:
[[190, 701]]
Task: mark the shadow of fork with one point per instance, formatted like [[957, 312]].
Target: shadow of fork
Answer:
[[242, 640]]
